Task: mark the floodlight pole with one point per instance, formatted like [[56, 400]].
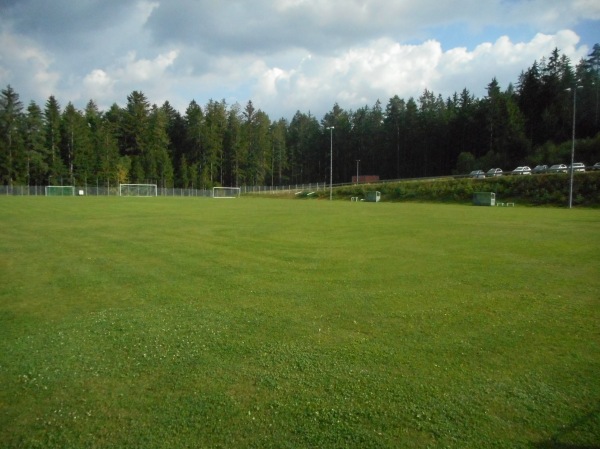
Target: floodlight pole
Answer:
[[575, 87], [357, 162], [331, 128]]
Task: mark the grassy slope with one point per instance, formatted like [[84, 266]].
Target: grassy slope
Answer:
[[262, 323], [548, 190]]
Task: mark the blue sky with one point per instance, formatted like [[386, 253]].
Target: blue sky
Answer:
[[284, 55]]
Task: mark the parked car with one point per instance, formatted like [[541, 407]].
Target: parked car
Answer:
[[477, 174], [540, 169], [525, 170], [596, 166], [558, 168], [493, 172], [577, 166]]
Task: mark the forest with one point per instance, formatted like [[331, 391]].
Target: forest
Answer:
[[218, 144]]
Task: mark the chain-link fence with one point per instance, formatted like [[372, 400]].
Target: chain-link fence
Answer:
[[17, 190], [98, 191]]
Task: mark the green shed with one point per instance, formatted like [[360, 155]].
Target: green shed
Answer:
[[373, 197], [484, 199]]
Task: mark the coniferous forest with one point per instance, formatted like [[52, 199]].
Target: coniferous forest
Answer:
[[232, 145]]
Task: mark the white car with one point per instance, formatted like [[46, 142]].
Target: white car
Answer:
[[558, 168], [525, 170], [477, 174], [577, 166]]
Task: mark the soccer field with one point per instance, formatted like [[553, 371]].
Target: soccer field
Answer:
[[264, 323]]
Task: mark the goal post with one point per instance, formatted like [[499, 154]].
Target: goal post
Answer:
[[138, 190], [60, 191], [226, 192]]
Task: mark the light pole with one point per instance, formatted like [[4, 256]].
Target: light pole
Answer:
[[575, 87], [357, 162], [397, 149], [331, 128]]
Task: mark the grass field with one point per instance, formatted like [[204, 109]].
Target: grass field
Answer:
[[262, 323]]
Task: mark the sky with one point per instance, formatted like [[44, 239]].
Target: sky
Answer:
[[283, 55]]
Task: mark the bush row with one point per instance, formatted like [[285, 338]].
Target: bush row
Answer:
[[535, 190]]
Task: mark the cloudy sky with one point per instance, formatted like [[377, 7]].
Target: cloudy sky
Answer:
[[284, 55]]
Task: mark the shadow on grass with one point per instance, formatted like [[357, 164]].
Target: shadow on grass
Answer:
[[557, 440]]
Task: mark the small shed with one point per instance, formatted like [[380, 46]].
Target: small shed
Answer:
[[373, 197], [484, 199]]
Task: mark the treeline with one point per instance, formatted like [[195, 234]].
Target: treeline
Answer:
[[231, 145]]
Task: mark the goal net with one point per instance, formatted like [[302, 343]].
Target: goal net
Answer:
[[138, 190], [226, 192], [60, 190]]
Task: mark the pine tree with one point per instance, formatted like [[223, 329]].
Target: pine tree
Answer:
[[215, 125], [10, 144], [194, 128], [184, 173], [343, 161], [394, 121], [134, 135], [53, 142], [306, 155], [157, 162], [279, 157], [77, 146], [593, 62], [235, 148], [115, 167], [35, 148]]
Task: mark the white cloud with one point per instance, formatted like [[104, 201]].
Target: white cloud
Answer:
[[98, 85], [284, 55], [353, 78], [502, 59], [25, 66], [385, 68], [135, 70], [114, 83]]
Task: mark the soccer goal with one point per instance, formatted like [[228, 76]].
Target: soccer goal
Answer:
[[60, 190], [226, 192], [138, 190]]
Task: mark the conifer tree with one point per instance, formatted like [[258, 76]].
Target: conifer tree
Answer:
[[52, 115], [10, 143], [35, 148]]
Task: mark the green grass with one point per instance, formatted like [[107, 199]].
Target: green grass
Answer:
[[261, 323]]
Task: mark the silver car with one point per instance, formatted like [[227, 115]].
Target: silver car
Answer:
[[577, 166], [525, 170], [558, 168], [493, 172]]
